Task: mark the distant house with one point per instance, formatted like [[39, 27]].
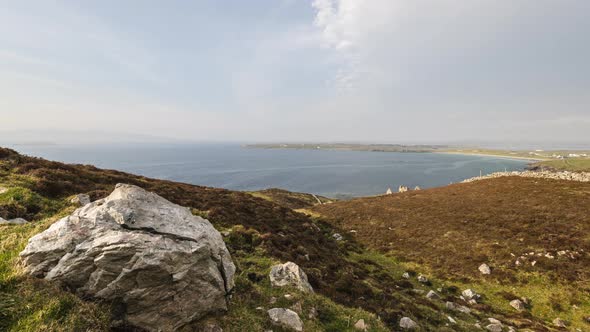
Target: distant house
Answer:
[[388, 192], [573, 155]]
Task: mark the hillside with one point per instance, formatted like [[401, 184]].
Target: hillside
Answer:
[[355, 275], [544, 225]]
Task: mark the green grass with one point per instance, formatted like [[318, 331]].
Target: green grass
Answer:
[[569, 164], [253, 295], [29, 304]]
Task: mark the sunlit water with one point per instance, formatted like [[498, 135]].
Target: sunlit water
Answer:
[[329, 173]]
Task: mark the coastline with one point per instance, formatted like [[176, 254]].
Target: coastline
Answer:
[[532, 160]]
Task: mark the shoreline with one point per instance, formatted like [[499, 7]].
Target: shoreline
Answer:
[[492, 155]]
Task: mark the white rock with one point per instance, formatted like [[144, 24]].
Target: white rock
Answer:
[[470, 294], [432, 295], [406, 275], [422, 279], [338, 237], [164, 265], [3, 190], [407, 323], [494, 321], [285, 318], [360, 325], [559, 322], [289, 274], [15, 221], [517, 304], [494, 327], [484, 269], [452, 320]]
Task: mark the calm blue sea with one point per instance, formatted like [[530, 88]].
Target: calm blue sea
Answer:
[[329, 173]]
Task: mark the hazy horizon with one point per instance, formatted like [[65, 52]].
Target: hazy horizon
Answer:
[[411, 72]]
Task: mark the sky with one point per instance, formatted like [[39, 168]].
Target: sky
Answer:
[[388, 71]]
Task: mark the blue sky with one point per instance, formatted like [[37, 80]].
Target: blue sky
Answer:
[[294, 70]]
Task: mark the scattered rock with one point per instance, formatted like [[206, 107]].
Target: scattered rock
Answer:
[[517, 304], [484, 269], [407, 323], [494, 321], [260, 308], [452, 320], [338, 237], [432, 295], [164, 265], [494, 327], [289, 274], [360, 325], [469, 294], [288, 296], [422, 279], [3, 190], [15, 221], [80, 199], [211, 327], [406, 275], [456, 307], [272, 300], [285, 318], [313, 313], [297, 307], [559, 322]]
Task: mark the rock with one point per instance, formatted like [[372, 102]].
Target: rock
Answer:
[[494, 327], [297, 307], [163, 265], [80, 199], [432, 295], [360, 325], [338, 237], [494, 321], [288, 296], [517, 304], [289, 274], [15, 221], [406, 275], [285, 318], [211, 327], [469, 294], [477, 326], [559, 322], [407, 323], [422, 279], [3, 190], [313, 313], [456, 307], [484, 269], [451, 320]]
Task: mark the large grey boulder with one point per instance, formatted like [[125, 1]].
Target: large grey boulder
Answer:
[[285, 318], [163, 266], [289, 274]]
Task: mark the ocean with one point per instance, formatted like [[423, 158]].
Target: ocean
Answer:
[[338, 174]]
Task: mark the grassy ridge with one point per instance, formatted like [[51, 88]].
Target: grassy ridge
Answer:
[[452, 230], [350, 282]]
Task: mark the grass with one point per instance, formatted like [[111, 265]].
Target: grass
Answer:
[[568, 164], [29, 304], [359, 277], [450, 231]]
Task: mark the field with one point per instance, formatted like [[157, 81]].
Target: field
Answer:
[[569, 164], [451, 230], [351, 280]]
